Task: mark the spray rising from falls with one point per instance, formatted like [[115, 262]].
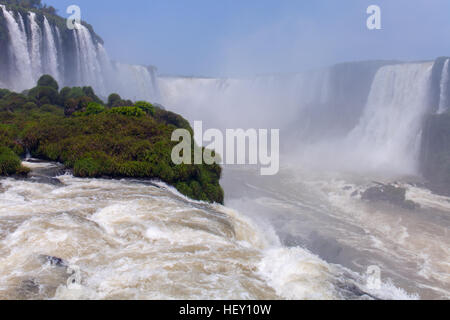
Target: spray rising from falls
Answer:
[[365, 116], [37, 45]]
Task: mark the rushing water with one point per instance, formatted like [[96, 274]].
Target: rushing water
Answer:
[[132, 239], [324, 213], [141, 240]]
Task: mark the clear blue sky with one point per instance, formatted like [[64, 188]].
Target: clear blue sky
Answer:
[[230, 37]]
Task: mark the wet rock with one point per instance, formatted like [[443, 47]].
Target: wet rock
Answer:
[[53, 261], [354, 194], [48, 174], [29, 289], [353, 292], [46, 180], [388, 193], [411, 205], [347, 188]]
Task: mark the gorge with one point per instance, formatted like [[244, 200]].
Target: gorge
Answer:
[[309, 232]]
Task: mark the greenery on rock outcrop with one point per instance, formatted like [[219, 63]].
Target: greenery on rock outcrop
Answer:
[[119, 139]]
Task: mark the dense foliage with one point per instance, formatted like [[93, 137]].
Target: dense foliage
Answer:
[[75, 127]]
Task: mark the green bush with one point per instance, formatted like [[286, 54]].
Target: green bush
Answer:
[[113, 99], [48, 81], [9, 162], [92, 108], [87, 168], [44, 95], [146, 107], [128, 111]]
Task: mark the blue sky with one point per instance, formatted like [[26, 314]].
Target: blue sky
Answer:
[[240, 37]]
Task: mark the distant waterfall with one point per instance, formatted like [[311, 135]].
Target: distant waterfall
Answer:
[[388, 135], [19, 53], [72, 57], [359, 116], [443, 103]]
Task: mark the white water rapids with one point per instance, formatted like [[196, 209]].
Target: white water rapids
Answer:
[[138, 240], [133, 240]]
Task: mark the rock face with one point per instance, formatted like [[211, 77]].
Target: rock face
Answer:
[[388, 193], [435, 152], [48, 174]]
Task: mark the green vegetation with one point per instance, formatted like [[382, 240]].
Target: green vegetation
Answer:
[[74, 127], [10, 163]]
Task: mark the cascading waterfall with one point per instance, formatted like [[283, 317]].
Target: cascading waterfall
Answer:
[[443, 103], [91, 70], [384, 131], [51, 52], [388, 135], [36, 38], [73, 59], [21, 24], [19, 52], [60, 49]]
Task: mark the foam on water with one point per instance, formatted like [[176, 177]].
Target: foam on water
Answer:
[[132, 240]]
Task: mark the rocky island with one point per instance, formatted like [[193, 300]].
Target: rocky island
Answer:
[[117, 139]]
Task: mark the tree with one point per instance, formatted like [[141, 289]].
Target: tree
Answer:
[[48, 81], [113, 99]]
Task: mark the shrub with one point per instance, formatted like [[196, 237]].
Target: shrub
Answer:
[[128, 111], [4, 92], [113, 99], [92, 108], [9, 162], [146, 107], [29, 106], [87, 168], [44, 95], [48, 81]]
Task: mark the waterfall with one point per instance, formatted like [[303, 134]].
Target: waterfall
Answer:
[[388, 134], [60, 49], [36, 38], [77, 78], [44, 49], [443, 103], [90, 65], [51, 53], [21, 24], [19, 53]]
